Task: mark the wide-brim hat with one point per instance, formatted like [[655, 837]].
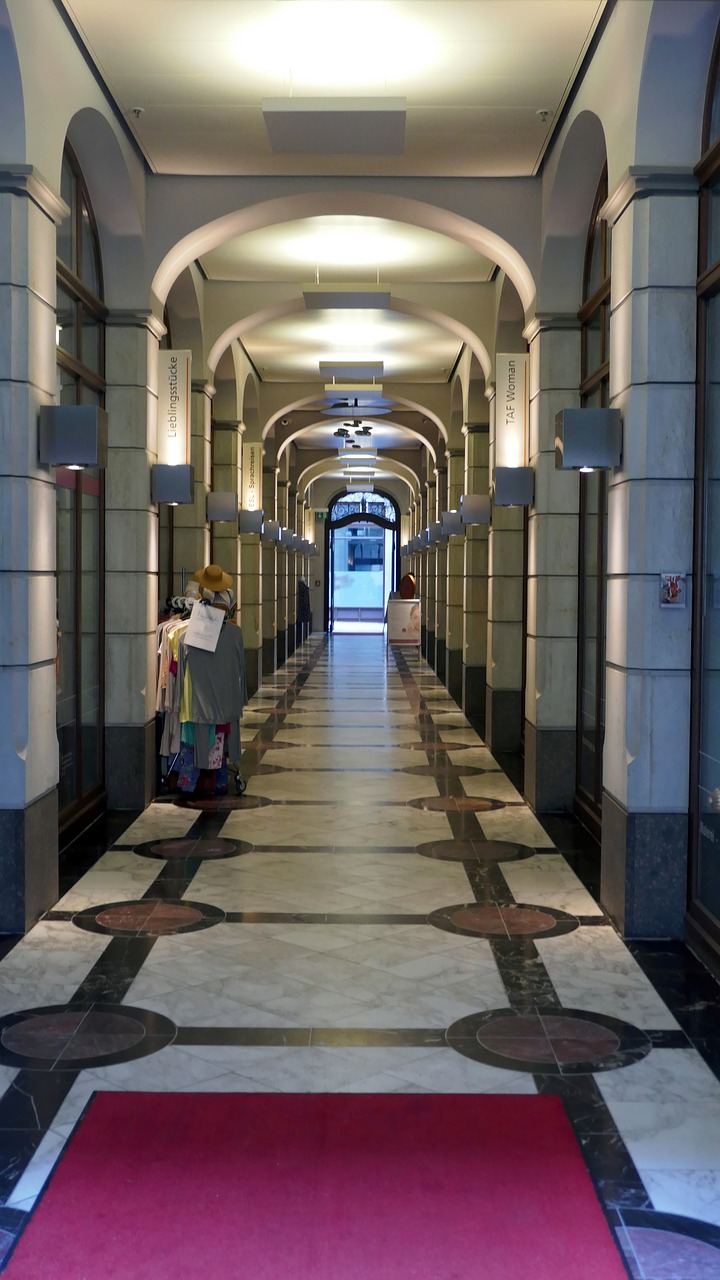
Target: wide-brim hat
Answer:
[[213, 578]]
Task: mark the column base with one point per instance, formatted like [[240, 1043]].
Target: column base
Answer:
[[253, 660], [503, 719], [430, 648], [549, 768], [440, 659], [640, 853], [454, 674], [28, 863], [131, 765], [473, 695], [269, 656]]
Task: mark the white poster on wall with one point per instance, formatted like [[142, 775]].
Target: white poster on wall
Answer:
[[174, 407], [512, 408], [251, 477]]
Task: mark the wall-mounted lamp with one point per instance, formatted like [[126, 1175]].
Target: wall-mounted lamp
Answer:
[[451, 522], [475, 508], [424, 540], [314, 550], [271, 531], [174, 485], [222, 506], [73, 435], [588, 439], [513, 487], [286, 537], [296, 542], [435, 533], [250, 521]]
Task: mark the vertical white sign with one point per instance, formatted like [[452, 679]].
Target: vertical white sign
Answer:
[[174, 407], [251, 477], [512, 408]]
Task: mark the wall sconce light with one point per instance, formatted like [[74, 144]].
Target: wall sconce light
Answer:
[[174, 485], [435, 533], [73, 435], [305, 546], [250, 521], [424, 539], [451, 522], [286, 537], [588, 439], [314, 550], [271, 531], [513, 486], [475, 508], [296, 542], [222, 506]]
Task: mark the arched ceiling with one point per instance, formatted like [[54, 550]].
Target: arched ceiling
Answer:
[[331, 90]]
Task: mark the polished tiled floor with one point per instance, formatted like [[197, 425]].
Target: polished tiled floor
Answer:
[[379, 912]]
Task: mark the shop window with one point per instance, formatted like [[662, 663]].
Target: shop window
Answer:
[[80, 513], [594, 317]]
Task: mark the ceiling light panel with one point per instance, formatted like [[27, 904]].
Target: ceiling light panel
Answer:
[[335, 126]]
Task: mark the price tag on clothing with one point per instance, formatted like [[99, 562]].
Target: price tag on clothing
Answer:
[[204, 627]]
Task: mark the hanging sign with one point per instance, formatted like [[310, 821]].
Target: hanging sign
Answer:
[[512, 408], [251, 477], [174, 407]]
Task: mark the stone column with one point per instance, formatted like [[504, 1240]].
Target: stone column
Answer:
[[251, 606], [454, 582], [292, 575], [650, 518], [191, 540], [440, 558], [475, 582], [131, 560], [506, 619], [550, 693], [269, 573], [428, 557], [226, 471], [282, 575], [29, 212]]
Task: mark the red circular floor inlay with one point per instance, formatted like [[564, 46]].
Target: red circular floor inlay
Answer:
[[503, 921], [73, 1034], [664, 1255], [550, 1038], [464, 850], [456, 804], [224, 802], [192, 848], [153, 917]]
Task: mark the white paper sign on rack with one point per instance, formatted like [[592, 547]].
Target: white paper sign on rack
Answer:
[[204, 627]]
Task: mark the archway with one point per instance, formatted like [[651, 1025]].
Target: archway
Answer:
[[362, 552]]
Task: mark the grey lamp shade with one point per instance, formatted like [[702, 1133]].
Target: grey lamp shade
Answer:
[[250, 521], [174, 485], [475, 508], [222, 506], [271, 531], [451, 522], [588, 438], [435, 532], [514, 486], [73, 435], [286, 537]]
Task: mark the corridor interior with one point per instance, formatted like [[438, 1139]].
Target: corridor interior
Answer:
[[379, 912]]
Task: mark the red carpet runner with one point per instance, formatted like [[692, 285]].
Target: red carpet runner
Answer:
[[319, 1187]]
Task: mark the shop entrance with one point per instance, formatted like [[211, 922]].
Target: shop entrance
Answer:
[[362, 556]]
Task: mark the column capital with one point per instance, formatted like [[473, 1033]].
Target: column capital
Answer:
[[26, 180], [226, 424], [548, 322], [641, 181], [136, 319], [477, 428], [454, 453], [200, 387]]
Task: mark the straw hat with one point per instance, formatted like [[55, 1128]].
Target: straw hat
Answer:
[[213, 578]]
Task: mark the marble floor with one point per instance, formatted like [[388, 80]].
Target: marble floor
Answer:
[[378, 912]]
